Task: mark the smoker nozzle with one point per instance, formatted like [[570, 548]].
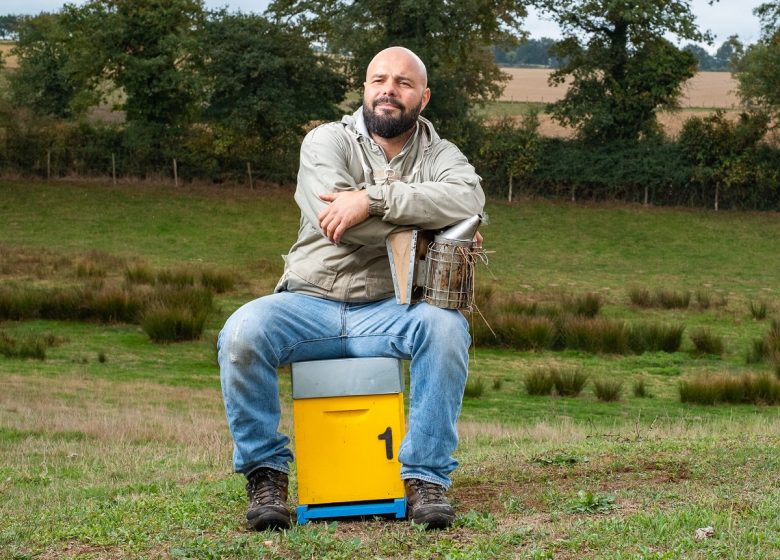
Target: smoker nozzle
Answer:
[[461, 233]]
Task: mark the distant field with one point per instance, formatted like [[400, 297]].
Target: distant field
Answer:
[[5, 49], [705, 89]]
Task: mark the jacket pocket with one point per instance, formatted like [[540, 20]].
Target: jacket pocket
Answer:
[[321, 276]]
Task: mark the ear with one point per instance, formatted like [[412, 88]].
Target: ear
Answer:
[[425, 98]]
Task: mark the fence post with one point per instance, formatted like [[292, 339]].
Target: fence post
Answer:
[[48, 165], [249, 173], [646, 195], [510, 188], [113, 168], [175, 173]]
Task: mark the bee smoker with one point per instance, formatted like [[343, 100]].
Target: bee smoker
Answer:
[[449, 266]]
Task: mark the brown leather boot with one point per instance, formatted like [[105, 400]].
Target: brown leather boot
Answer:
[[427, 505], [267, 492]]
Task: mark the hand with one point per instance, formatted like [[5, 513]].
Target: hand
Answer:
[[478, 240], [346, 209]]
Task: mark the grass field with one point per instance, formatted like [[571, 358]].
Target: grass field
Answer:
[[115, 447]]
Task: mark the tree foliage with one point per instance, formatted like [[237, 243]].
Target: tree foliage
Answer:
[[264, 84], [621, 66], [452, 37], [758, 69], [145, 49], [47, 81]]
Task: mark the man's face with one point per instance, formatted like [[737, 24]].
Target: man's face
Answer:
[[395, 94]]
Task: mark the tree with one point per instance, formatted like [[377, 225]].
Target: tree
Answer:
[[9, 25], [728, 51], [46, 81], [453, 38], [139, 54], [758, 69], [264, 84], [621, 66], [704, 60], [533, 52]]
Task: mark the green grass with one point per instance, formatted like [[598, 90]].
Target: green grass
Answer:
[[116, 447]]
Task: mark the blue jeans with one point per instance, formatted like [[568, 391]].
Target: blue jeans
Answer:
[[287, 327]]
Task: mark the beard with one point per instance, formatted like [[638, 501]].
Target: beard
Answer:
[[386, 125]]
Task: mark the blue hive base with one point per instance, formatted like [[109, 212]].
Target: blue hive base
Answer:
[[330, 511]]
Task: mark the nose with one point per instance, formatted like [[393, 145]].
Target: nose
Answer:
[[389, 89]]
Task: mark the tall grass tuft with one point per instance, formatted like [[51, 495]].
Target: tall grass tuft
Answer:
[[758, 310], [219, 281], [540, 381], [640, 388], [608, 390], [661, 297], [744, 389], [180, 276], [598, 335], [32, 346], [569, 382], [586, 305], [475, 388], [671, 299], [522, 332], [655, 337], [705, 342], [703, 298], [140, 273], [177, 314], [640, 297]]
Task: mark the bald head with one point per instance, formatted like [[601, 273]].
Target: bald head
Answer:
[[401, 59]]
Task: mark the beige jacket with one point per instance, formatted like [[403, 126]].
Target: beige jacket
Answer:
[[430, 184]]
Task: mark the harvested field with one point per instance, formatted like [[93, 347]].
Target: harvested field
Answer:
[[5, 50], [705, 89]]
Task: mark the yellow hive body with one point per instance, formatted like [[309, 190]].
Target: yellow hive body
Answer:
[[341, 446]]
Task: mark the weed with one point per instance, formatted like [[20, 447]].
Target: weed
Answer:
[[540, 381], [511, 503], [497, 383], [475, 388], [758, 310], [102, 357], [588, 502], [607, 390], [705, 342], [569, 382], [587, 305], [560, 460], [478, 521]]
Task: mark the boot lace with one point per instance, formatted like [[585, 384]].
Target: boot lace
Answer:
[[267, 487]]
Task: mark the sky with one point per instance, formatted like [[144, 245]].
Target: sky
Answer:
[[724, 18]]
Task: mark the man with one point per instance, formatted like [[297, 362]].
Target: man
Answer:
[[382, 169]]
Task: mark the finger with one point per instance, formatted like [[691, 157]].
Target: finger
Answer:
[[328, 197]]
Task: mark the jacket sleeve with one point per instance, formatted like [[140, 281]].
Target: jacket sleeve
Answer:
[[328, 164], [453, 194]]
